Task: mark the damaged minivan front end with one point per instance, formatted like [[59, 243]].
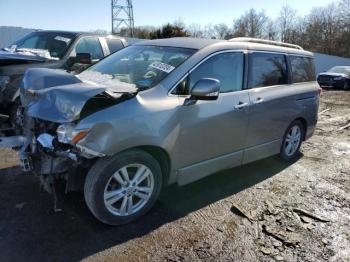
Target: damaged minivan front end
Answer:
[[53, 103], [109, 130]]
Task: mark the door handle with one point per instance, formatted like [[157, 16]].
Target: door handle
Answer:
[[240, 105], [258, 100]]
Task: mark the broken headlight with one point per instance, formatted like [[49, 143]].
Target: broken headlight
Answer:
[[67, 134]]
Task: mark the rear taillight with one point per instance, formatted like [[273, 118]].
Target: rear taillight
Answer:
[[320, 91]]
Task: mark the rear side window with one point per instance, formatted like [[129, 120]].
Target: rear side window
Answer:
[[303, 69], [225, 67], [90, 45], [114, 45], [267, 69]]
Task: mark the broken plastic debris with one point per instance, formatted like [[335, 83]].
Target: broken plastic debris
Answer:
[[265, 250], [309, 214], [278, 258], [240, 211], [45, 140]]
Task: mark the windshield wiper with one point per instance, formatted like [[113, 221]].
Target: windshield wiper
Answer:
[[26, 50]]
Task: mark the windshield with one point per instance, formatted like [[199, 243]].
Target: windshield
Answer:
[[341, 70], [46, 44], [139, 67]]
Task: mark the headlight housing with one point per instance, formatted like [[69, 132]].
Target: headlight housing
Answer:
[[338, 78], [67, 134]]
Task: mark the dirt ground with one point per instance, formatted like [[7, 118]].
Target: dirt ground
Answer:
[[264, 211]]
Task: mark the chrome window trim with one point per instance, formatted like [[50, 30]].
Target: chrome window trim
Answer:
[[244, 51], [278, 52], [288, 55]]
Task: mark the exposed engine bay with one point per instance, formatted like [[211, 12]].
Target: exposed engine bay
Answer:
[[43, 154]]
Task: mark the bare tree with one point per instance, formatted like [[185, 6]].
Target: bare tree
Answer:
[[252, 24], [272, 30], [286, 23], [195, 30], [325, 29], [344, 25], [221, 31], [209, 31]]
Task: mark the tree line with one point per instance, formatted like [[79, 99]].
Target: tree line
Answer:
[[324, 29]]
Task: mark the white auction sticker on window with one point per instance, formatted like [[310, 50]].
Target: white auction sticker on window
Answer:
[[62, 38], [162, 67]]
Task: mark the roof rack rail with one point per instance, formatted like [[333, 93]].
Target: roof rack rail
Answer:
[[264, 41]]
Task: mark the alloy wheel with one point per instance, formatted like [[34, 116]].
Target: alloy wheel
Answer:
[[129, 189], [292, 140]]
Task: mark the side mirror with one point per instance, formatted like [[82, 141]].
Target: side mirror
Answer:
[[79, 62], [83, 58], [204, 89]]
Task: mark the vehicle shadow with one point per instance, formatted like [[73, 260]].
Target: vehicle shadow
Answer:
[[34, 232]]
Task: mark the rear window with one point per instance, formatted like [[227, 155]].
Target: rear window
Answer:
[[114, 45], [303, 69], [267, 69]]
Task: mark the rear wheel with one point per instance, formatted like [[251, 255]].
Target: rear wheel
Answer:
[[124, 187], [292, 141]]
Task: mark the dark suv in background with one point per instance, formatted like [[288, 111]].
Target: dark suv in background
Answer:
[[338, 77], [71, 51]]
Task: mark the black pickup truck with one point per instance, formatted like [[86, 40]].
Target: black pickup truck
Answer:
[[70, 51]]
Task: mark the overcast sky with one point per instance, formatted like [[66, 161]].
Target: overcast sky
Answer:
[[96, 14]]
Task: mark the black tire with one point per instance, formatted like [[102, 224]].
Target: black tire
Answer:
[[296, 153], [346, 85], [100, 174]]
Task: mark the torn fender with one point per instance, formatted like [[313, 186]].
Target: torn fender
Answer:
[[55, 95]]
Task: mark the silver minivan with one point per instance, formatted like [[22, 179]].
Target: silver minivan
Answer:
[[162, 112]]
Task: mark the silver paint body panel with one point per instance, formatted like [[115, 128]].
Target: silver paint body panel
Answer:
[[210, 135]]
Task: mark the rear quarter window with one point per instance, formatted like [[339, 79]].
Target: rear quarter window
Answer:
[[114, 45], [303, 69]]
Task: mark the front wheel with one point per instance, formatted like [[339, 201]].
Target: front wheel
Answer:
[[346, 85], [124, 187], [292, 140]]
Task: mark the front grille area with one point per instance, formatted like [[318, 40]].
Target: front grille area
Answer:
[[325, 78]]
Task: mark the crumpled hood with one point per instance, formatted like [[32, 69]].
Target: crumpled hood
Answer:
[[332, 74], [10, 58], [55, 95]]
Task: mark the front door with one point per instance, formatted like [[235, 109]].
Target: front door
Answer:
[[213, 133]]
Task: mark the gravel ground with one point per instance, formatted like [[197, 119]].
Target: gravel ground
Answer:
[[264, 211]]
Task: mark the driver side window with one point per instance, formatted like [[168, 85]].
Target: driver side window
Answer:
[[225, 67]]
